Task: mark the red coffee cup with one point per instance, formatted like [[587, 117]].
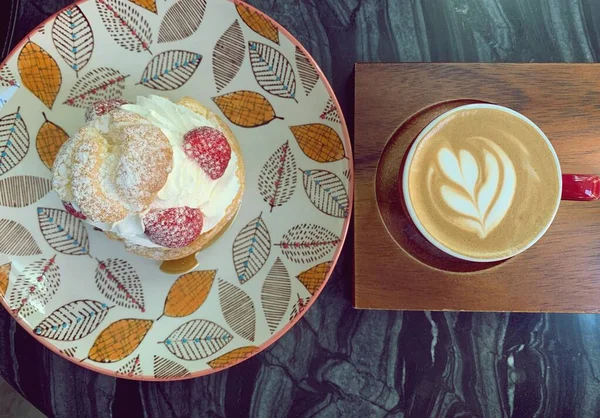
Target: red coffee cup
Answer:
[[578, 187]]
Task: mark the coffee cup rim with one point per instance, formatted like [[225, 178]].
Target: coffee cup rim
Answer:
[[410, 156]]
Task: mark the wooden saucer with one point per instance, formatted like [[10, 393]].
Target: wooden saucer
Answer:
[[395, 266]]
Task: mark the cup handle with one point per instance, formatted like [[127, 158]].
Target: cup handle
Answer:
[[582, 187]]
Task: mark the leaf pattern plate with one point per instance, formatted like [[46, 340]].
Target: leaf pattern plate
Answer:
[[89, 300]]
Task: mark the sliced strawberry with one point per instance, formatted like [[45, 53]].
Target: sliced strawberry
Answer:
[[69, 207], [102, 107], [173, 227], [209, 148]]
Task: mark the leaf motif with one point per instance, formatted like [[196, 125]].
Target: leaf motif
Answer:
[[299, 307], [49, 139], [168, 369], [238, 310], [246, 108], [258, 22], [319, 142], [69, 352], [314, 277], [460, 204], [277, 179], [327, 192], [450, 166], [307, 72], [470, 170], [125, 24], [170, 70], [14, 141], [197, 339], [480, 206], [251, 249], [4, 276], [132, 368], [490, 185], [272, 70], [63, 231], [276, 294], [233, 357], [181, 20], [99, 84], [21, 191], [39, 73], [330, 112], [73, 321], [505, 196], [119, 283], [228, 55], [7, 79], [307, 243], [149, 5], [119, 340], [188, 293], [16, 240], [34, 287], [73, 37]]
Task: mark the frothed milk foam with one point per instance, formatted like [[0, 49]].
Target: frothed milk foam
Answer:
[[483, 183]]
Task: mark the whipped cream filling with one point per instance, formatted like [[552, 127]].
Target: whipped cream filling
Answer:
[[187, 184]]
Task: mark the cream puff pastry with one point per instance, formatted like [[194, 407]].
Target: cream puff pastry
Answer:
[[164, 178]]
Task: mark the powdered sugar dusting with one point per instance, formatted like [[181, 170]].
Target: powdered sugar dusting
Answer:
[[209, 148], [118, 162], [107, 176], [86, 179], [136, 179], [188, 184], [173, 227], [103, 107], [129, 165], [61, 181]]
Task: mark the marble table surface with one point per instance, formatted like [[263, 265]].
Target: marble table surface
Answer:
[[341, 362]]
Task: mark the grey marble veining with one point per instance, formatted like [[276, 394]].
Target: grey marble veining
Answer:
[[12, 404], [340, 362]]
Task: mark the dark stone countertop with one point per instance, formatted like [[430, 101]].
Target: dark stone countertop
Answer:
[[341, 362]]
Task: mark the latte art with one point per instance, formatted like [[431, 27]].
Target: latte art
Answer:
[[479, 192], [482, 182]]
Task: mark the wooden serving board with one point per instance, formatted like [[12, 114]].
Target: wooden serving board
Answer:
[[395, 267]]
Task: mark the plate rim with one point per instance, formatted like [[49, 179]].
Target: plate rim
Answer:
[[343, 235]]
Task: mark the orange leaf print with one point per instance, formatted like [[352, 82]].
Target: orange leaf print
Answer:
[[39, 73], [246, 108], [319, 142], [188, 293], [149, 5], [314, 277], [232, 357], [50, 138], [4, 274], [119, 340], [257, 22]]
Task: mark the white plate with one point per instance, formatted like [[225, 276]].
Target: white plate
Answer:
[[81, 294]]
